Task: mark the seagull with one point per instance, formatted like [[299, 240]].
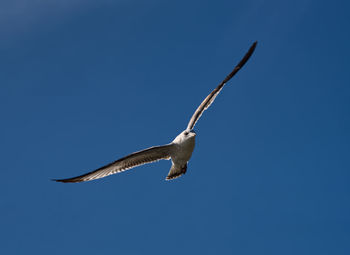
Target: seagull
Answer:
[[179, 150]]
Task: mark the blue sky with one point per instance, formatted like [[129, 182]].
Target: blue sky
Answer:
[[83, 83]]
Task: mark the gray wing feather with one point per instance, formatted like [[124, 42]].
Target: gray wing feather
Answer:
[[135, 159], [211, 97]]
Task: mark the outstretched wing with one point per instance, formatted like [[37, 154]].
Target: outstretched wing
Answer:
[[135, 159], [211, 97]]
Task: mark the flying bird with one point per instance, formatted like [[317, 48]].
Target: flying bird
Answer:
[[179, 150]]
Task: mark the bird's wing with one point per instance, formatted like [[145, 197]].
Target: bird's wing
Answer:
[[211, 97], [135, 159]]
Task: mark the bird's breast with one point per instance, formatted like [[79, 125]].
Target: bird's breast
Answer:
[[183, 151]]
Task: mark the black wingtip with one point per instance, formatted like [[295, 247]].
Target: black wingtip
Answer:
[[240, 64], [253, 45], [57, 180], [250, 51], [64, 180], [247, 55]]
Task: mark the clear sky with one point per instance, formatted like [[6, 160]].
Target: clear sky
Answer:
[[83, 83]]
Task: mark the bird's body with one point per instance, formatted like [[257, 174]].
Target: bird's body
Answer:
[[179, 150], [182, 148]]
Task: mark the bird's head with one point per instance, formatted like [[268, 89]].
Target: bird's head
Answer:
[[184, 136], [189, 133]]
